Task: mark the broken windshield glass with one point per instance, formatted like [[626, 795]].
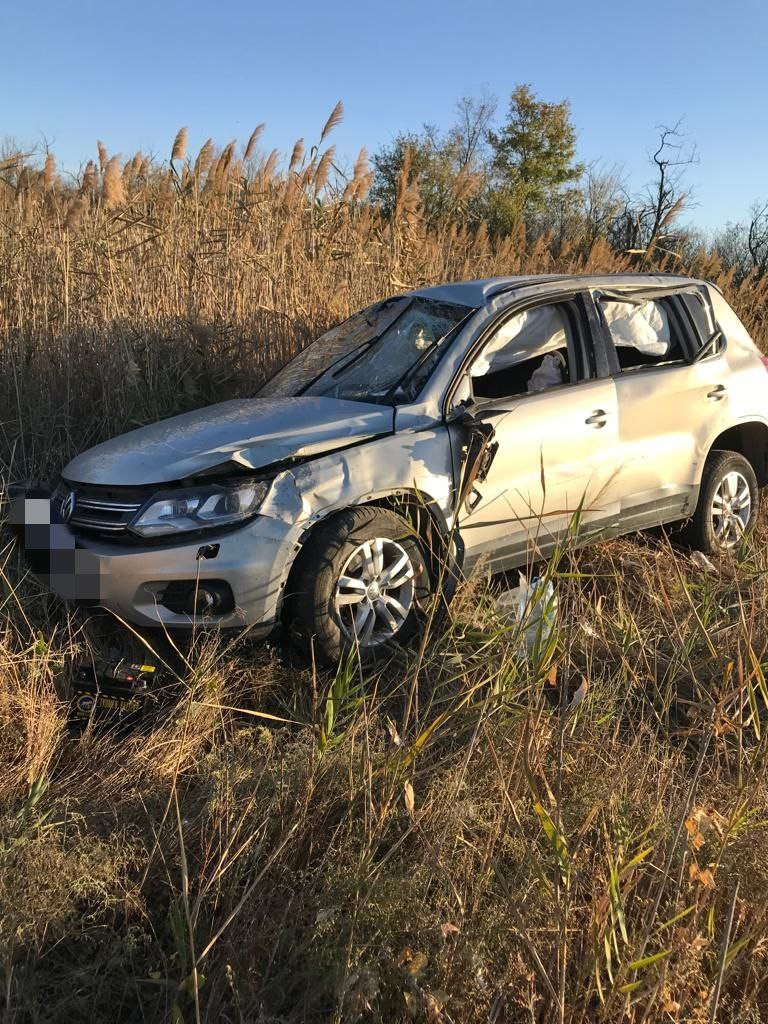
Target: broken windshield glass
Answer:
[[367, 356]]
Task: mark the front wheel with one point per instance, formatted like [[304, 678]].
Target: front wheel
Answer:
[[362, 584], [727, 505]]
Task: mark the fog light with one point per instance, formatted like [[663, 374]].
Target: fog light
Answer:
[[203, 602], [204, 598]]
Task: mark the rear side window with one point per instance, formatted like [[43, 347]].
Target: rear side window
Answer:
[[701, 316], [644, 333]]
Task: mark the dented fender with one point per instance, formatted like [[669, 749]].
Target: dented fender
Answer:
[[417, 463]]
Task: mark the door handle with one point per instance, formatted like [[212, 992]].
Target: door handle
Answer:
[[717, 392], [597, 419]]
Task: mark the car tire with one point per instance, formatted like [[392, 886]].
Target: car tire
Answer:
[[728, 504], [342, 596]]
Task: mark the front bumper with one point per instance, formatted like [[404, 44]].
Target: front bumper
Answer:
[[130, 580]]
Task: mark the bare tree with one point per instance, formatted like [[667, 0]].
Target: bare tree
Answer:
[[469, 134], [642, 224], [602, 197], [757, 238], [667, 196], [743, 246], [732, 247]]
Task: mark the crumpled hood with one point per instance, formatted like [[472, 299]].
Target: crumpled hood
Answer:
[[251, 433]]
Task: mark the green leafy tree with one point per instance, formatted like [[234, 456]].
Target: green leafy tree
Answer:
[[429, 167], [534, 161], [449, 169]]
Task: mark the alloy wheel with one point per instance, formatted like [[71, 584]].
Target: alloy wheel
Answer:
[[731, 509], [374, 594]]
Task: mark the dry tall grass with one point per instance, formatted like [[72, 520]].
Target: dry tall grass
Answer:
[[442, 841], [145, 289]]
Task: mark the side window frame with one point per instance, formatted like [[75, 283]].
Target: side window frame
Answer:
[[580, 319], [701, 295], [682, 324]]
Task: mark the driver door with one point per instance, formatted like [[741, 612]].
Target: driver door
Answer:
[[549, 465]]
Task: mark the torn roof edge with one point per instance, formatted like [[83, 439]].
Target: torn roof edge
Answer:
[[477, 293]]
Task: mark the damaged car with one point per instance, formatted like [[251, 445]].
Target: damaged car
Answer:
[[482, 422]]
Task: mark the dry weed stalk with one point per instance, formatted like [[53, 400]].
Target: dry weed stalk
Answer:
[[179, 148]]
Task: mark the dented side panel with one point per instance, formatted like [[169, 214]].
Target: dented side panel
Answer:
[[255, 560], [553, 462], [406, 462]]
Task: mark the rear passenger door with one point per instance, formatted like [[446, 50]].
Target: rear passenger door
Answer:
[[670, 401]]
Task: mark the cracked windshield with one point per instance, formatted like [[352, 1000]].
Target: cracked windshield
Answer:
[[385, 352]]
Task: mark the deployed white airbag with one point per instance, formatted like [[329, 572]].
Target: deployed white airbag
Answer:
[[644, 327], [548, 375], [525, 336]]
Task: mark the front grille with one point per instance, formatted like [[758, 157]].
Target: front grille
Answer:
[[104, 511], [102, 516]]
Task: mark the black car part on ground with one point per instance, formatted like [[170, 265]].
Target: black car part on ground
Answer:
[[117, 691]]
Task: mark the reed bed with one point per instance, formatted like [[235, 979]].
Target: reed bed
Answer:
[[465, 834]]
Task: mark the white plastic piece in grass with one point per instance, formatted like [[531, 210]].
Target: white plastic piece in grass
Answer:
[[701, 561], [578, 697], [410, 801], [534, 605]]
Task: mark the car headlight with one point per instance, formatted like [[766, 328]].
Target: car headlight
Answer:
[[199, 508]]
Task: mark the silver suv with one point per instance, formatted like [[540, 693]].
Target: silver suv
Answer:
[[476, 422]]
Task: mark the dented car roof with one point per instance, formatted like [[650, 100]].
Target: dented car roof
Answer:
[[477, 293]]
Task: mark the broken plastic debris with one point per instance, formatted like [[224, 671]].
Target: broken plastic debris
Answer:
[[534, 605], [701, 561], [578, 696]]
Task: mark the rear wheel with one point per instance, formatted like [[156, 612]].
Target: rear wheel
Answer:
[[727, 505], [361, 584]]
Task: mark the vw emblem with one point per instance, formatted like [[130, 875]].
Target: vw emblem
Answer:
[[67, 506]]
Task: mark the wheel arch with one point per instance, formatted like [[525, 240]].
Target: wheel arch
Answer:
[[749, 439], [421, 510]]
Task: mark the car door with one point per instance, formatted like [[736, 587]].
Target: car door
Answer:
[[670, 402], [551, 441]]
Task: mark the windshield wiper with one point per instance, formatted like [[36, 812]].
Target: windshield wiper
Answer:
[[338, 366], [708, 345], [335, 369]]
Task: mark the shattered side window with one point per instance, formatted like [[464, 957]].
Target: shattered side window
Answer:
[[701, 314], [643, 333], [644, 327], [531, 333], [530, 352]]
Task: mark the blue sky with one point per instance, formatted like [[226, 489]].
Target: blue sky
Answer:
[[132, 73]]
